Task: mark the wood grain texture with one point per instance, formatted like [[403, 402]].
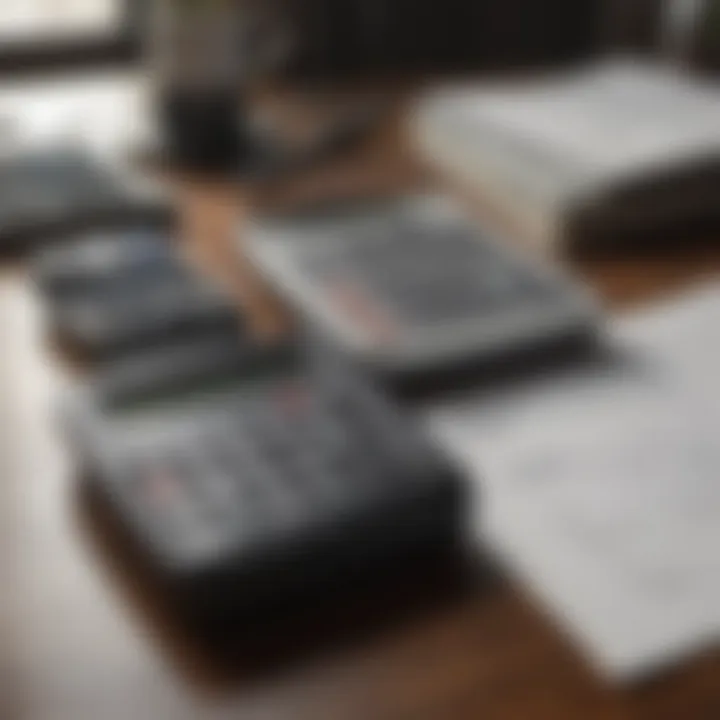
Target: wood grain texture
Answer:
[[82, 637]]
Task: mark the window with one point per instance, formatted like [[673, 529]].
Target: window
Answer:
[[48, 33]]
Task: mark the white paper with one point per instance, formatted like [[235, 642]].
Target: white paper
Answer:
[[600, 487]]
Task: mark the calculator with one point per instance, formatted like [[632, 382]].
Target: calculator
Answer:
[[412, 287], [249, 477], [121, 291], [56, 191]]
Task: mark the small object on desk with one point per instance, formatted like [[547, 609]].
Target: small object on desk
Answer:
[[50, 193], [208, 57], [227, 137], [251, 477], [413, 288]]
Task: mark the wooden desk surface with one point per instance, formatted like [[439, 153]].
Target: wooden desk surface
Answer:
[[79, 640]]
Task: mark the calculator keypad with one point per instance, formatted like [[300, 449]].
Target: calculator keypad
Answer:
[[292, 454], [417, 272]]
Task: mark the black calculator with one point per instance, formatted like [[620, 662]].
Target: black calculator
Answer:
[[413, 288], [248, 478], [120, 291], [53, 192]]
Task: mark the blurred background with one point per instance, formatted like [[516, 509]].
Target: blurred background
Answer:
[[332, 39]]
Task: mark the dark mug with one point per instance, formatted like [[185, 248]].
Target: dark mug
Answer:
[[204, 131]]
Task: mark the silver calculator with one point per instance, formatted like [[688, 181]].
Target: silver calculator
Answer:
[[413, 286]]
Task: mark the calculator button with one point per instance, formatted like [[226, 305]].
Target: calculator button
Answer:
[[163, 489], [216, 486], [161, 495]]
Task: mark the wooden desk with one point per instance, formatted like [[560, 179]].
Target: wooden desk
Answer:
[[79, 641]]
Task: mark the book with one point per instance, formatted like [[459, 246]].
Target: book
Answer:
[[610, 152]]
